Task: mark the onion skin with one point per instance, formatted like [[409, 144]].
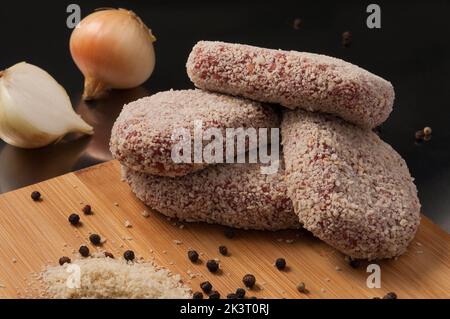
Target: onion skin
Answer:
[[114, 50]]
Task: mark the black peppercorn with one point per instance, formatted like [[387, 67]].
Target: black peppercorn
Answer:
[[240, 293], [230, 233], [249, 280], [297, 23], [346, 39], [212, 265], [95, 239], [280, 263], [128, 255], [84, 251], [197, 295], [301, 287], [193, 256], [419, 135], [87, 210], [214, 295], [390, 295], [109, 255], [36, 196], [74, 219], [223, 250], [354, 263], [206, 287], [64, 260], [232, 296]]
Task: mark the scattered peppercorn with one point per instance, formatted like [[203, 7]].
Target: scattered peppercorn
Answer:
[[223, 250], [423, 134], [230, 233], [214, 295], [301, 287], [252, 297], [212, 265], [346, 39], [36, 196], [297, 23], [64, 260], [109, 255], [197, 295], [249, 280], [193, 256], [354, 263], [280, 263], [232, 296], [376, 298], [84, 251], [240, 293], [74, 219], [87, 210], [206, 287], [95, 239], [427, 130], [419, 135], [390, 295], [129, 255]]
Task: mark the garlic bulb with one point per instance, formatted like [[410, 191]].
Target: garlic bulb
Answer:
[[113, 48], [34, 109]]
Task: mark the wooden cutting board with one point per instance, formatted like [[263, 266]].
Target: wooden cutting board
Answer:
[[33, 234]]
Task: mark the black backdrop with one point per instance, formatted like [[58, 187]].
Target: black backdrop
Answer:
[[411, 50]]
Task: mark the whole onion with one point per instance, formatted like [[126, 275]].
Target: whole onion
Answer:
[[113, 48]]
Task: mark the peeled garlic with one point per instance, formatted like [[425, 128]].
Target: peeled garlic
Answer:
[[34, 109], [113, 49]]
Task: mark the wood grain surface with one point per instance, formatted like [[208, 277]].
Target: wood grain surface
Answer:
[[34, 234]]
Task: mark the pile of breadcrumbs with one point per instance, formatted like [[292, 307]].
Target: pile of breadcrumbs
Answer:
[[100, 277]]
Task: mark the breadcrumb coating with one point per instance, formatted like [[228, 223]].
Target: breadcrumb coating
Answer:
[[235, 195], [141, 135], [348, 187], [292, 79]]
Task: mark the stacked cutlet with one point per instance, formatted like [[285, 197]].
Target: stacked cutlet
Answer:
[[236, 195], [338, 179]]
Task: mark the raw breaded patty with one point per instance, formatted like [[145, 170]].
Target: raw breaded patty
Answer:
[[348, 187], [141, 135], [293, 79], [235, 195]]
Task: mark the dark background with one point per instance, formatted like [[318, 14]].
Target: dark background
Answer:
[[411, 50]]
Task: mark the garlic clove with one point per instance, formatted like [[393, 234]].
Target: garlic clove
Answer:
[[34, 109]]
